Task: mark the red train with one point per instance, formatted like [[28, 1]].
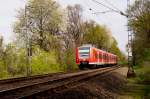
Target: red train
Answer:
[[88, 56]]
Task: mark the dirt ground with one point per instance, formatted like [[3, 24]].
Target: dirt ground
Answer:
[[100, 87]]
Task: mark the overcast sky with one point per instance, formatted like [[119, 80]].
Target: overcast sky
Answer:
[[115, 22]]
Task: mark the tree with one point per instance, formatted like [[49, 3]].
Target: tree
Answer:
[[139, 14], [1, 47], [71, 36], [96, 35], [9, 58], [101, 37], [115, 50], [41, 18], [74, 23]]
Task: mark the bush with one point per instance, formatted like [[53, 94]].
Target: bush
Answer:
[[44, 62], [4, 75], [69, 60], [3, 72], [143, 57], [143, 73]]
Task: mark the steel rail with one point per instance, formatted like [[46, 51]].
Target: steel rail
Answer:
[[11, 80], [12, 86], [54, 82]]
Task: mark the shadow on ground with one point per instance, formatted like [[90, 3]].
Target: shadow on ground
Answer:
[[100, 87]]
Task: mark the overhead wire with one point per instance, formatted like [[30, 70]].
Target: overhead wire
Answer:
[[112, 5], [103, 12], [114, 10], [91, 9], [106, 6]]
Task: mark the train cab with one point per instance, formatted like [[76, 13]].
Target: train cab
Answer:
[[88, 56]]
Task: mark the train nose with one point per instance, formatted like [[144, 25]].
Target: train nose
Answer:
[[84, 59]]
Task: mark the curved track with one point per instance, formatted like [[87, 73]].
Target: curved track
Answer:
[[28, 87]]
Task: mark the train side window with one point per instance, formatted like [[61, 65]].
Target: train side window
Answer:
[[107, 56], [100, 55], [103, 56], [96, 55]]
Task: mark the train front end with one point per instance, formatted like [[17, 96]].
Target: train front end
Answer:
[[82, 56]]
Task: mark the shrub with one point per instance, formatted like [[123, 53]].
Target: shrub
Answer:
[[44, 62]]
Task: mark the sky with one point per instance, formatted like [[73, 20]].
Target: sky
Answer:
[[113, 21]]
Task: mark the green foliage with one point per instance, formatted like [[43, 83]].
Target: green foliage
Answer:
[[44, 62], [147, 54], [3, 72], [20, 63], [142, 79], [69, 59], [9, 58], [139, 23], [53, 48], [142, 73], [114, 49], [96, 35], [41, 18], [14, 64], [100, 36]]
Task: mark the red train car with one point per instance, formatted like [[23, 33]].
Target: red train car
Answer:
[[88, 56]]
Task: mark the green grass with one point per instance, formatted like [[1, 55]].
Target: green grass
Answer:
[[143, 73], [140, 81]]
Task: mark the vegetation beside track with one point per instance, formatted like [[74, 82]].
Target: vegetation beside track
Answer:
[[138, 87], [55, 35], [40, 84], [141, 82], [139, 16]]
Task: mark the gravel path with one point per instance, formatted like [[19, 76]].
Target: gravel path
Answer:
[[122, 71]]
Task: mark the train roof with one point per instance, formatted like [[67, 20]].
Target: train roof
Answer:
[[106, 52], [90, 45], [87, 45]]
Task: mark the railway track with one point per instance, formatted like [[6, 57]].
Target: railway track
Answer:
[[21, 88]]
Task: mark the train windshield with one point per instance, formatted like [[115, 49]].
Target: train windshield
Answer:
[[84, 52]]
